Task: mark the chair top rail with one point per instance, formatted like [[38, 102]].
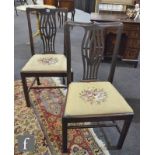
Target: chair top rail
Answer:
[[94, 24]]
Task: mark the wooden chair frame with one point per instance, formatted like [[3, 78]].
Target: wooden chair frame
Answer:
[[47, 50], [66, 120]]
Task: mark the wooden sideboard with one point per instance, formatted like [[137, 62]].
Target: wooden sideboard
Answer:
[[130, 41]]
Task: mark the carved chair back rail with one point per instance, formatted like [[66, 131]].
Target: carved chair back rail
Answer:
[[92, 47]]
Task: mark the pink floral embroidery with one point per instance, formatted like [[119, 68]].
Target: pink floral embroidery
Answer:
[[48, 61], [93, 95]]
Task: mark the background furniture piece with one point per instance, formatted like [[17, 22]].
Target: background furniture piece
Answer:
[[69, 5], [19, 2], [51, 2], [130, 47], [15, 7], [94, 103], [124, 3], [115, 10], [50, 63], [35, 5]]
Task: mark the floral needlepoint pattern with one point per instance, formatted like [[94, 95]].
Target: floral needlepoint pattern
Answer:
[[48, 61], [93, 95]]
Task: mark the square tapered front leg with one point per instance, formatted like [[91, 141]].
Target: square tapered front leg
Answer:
[[64, 135]]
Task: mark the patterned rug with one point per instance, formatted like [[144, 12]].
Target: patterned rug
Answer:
[[43, 120]]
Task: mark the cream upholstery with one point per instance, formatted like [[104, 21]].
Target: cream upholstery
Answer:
[[46, 63], [108, 102]]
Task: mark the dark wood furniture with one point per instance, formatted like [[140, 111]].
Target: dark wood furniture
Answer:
[[48, 63], [69, 5], [51, 2], [130, 43], [96, 102]]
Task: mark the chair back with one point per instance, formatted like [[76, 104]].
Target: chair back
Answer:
[[46, 25], [68, 4], [92, 47]]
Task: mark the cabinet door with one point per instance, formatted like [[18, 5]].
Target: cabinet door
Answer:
[[110, 42], [133, 42], [130, 42]]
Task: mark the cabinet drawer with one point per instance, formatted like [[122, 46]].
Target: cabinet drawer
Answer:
[[131, 53], [133, 34], [133, 43]]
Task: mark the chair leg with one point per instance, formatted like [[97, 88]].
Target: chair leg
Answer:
[[60, 19], [25, 88], [64, 135], [38, 81], [63, 81], [72, 76], [73, 14], [71, 80], [135, 64], [16, 11], [15, 8], [124, 132]]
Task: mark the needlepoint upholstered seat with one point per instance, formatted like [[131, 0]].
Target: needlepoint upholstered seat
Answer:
[[94, 98], [46, 63]]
